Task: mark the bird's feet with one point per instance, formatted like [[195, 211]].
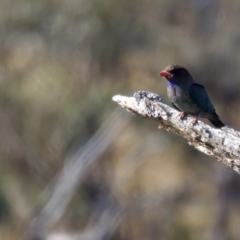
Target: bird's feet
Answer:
[[182, 115], [194, 120]]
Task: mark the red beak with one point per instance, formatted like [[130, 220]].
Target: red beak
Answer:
[[164, 73]]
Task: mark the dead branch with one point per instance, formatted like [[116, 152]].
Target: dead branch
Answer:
[[75, 168], [222, 144]]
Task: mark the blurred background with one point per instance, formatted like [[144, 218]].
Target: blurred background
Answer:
[[73, 164]]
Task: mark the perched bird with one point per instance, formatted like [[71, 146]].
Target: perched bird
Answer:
[[187, 96]]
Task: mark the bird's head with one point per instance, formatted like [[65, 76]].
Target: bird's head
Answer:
[[174, 73]]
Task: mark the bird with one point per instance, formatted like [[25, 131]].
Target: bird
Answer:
[[188, 96]]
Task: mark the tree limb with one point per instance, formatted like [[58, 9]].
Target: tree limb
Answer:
[[222, 144], [74, 169]]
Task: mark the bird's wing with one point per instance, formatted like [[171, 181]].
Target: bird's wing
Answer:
[[201, 98]]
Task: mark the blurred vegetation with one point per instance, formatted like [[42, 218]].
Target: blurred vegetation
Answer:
[[60, 64]]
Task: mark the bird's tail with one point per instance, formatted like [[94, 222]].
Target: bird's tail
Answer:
[[216, 121]]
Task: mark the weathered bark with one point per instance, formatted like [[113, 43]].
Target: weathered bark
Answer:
[[222, 144]]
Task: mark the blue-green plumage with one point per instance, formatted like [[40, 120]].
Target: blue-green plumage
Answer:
[[188, 96]]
